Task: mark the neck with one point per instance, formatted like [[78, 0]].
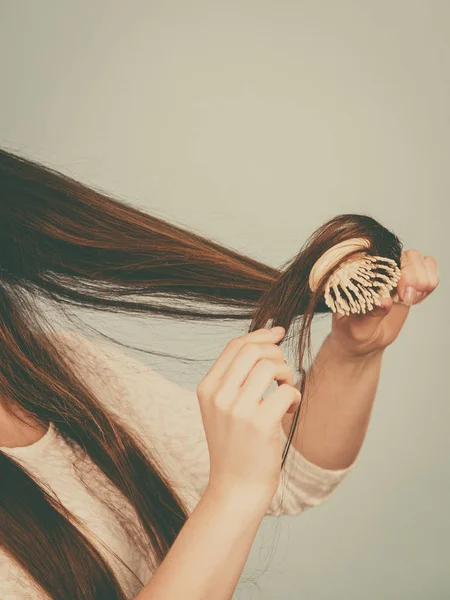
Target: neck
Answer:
[[18, 429]]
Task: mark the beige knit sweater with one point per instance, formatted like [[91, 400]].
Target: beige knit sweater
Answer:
[[168, 418]]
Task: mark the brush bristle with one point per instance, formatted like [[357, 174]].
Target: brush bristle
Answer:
[[358, 285]]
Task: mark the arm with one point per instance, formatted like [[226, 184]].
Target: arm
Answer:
[[347, 368], [209, 554], [336, 406], [167, 416]]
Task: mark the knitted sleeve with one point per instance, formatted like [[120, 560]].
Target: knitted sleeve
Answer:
[[168, 419]]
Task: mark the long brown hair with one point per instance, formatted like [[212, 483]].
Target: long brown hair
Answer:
[[68, 243]]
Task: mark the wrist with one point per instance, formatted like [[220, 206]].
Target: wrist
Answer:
[[351, 356], [243, 501]]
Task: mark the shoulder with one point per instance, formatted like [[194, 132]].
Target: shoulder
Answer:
[[165, 415], [125, 383], [104, 369], [106, 364]]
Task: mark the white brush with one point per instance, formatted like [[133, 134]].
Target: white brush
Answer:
[[360, 282]]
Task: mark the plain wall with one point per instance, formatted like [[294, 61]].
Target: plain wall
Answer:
[[253, 123]]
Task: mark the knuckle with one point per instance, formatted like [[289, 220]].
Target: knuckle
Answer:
[[235, 343], [289, 390], [414, 252], [280, 352], [251, 350], [218, 399], [265, 364], [203, 389]]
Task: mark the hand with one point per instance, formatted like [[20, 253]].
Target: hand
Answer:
[[361, 335], [243, 429]]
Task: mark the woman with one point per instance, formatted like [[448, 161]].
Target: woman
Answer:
[[117, 483]]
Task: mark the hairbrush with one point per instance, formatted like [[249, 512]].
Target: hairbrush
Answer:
[[360, 282]]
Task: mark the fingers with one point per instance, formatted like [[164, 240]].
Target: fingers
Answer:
[[419, 276], [226, 357], [249, 357], [284, 399], [260, 378], [252, 371], [433, 274], [244, 371]]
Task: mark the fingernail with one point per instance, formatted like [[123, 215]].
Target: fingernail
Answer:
[[277, 329], [409, 295]]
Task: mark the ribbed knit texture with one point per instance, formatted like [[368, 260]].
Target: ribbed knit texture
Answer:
[[167, 417]]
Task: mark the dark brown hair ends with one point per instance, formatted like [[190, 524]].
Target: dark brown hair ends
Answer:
[[68, 244]]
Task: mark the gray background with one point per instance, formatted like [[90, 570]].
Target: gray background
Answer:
[[253, 123]]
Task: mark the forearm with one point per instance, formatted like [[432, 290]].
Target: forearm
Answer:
[[337, 402], [207, 558]]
